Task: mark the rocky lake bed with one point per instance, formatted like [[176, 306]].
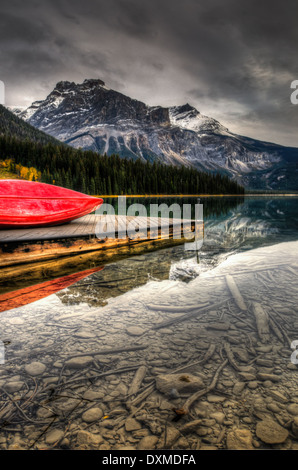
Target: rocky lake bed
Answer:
[[203, 365]]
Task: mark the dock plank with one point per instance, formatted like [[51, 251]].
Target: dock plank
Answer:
[[19, 246], [84, 227]]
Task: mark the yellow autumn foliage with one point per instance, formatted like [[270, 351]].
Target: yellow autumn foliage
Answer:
[[23, 172]]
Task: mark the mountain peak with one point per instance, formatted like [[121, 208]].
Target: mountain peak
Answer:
[[185, 108], [64, 85], [91, 82]]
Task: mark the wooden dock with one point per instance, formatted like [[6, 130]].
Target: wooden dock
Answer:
[[22, 246]]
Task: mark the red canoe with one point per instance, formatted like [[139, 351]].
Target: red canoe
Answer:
[[31, 294], [31, 204]]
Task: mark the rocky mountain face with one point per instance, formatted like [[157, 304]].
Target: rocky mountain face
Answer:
[[91, 116]]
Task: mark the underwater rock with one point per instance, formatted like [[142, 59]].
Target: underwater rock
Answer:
[[12, 387], [182, 383], [78, 362], [54, 436], [271, 377], [168, 438], [278, 396], [93, 414], [239, 439], [87, 440], [35, 368], [293, 409], [132, 424], [147, 443], [295, 426], [238, 388], [135, 331], [271, 432]]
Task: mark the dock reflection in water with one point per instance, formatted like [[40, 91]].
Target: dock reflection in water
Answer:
[[21, 297]]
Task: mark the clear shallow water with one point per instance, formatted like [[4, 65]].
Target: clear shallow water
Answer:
[[124, 358]]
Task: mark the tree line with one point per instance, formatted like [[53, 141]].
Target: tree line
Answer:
[[91, 173]]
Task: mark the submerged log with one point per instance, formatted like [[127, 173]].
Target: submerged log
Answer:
[[276, 329], [209, 353], [230, 356], [235, 292], [173, 309], [191, 314], [100, 352], [137, 381], [142, 396], [96, 376], [262, 321]]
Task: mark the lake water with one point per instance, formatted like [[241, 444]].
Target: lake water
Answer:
[[174, 349]]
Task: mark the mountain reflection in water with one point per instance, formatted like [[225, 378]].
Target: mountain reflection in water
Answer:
[[232, 225]]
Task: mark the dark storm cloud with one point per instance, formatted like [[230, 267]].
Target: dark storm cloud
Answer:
[[232, 59]]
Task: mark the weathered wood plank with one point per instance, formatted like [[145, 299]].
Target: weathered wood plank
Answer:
[[79, 236]]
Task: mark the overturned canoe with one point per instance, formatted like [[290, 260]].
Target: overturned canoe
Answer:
[[32, 204]]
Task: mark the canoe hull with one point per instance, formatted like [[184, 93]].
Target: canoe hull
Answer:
[[30, 204]]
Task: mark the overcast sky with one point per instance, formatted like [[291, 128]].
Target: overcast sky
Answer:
[[233, 60]]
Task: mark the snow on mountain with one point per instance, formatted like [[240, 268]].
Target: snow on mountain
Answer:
[[190, 118], [92, 116]]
